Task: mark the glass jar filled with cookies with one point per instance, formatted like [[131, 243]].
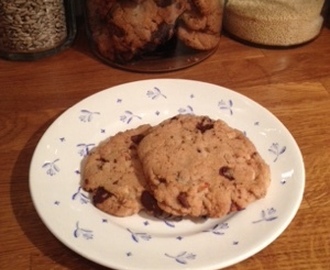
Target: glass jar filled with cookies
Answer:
[[153, 35]]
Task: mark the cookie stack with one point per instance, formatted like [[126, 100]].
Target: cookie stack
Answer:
[[122, 31], [186, 166]]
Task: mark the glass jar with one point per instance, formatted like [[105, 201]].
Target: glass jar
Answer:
[[153, 35], [274, 23], [30, 30]]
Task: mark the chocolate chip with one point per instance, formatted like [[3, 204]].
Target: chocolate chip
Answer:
[[150, 203], [103, 160], [101, 163], [132, 147], [202, 127], [162, 180], [164, 3], [101, 195], [137, 138], [227, 172], [161, 35], [183, 199]]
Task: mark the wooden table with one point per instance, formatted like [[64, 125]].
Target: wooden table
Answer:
[[294, 84]]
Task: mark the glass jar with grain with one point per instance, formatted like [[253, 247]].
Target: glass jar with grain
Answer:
[[153, 35], [274, 23], [33, 29]]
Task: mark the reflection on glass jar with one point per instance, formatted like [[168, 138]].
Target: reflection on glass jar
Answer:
[[33, 29], [153, 35]]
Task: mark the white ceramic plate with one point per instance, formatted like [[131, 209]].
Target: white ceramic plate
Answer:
[[142, 242]]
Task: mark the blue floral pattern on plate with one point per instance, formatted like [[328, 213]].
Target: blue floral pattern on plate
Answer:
[[86, 115], [80, 232], [51, 167], [183, 257], [172, 244]]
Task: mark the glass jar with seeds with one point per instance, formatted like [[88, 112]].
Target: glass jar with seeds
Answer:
[[274, 23], [34, 29]]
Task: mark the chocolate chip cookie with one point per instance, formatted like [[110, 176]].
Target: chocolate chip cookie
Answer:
[[112, 173], [200, 24], [195, 166]]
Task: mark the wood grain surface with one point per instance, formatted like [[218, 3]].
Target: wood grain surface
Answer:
[[294, 84]]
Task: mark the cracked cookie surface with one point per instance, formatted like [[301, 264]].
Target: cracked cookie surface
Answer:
[[112, 173], [195, 166]]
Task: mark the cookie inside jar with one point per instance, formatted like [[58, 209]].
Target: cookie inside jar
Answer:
[[153, 35]]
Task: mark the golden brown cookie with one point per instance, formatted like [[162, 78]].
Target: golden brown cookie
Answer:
[[112, 173], [200, 25], [198, 40], [196, 166]]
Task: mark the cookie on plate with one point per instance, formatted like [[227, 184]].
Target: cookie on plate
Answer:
[[195, 166], [112, 173]]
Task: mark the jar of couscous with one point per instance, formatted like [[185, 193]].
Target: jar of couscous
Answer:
[[153, 35], [34, 29], [274, 23]]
